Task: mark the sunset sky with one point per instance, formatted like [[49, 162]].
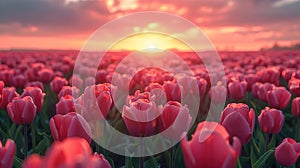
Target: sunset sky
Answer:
[[229, 24]]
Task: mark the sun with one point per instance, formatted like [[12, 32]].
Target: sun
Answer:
[[149, 42]]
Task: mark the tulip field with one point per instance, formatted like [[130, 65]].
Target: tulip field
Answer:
[[52, 107]]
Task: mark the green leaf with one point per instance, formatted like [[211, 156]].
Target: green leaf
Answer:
[[17, 162], [42, 146], [260, 163]]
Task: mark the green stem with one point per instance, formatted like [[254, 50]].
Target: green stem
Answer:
[[33, 136], [25, 141], [267, 141], [297, 130]]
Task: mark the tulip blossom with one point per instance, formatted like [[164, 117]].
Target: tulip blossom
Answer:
[[210, 147], [237, 89], [271, 120], [279, 97], [287, 152], [36, 84], [68, 90], [140, 117], [296, 107], [7, 153], [69, 125], [8, 94], [270, 75], [58, 83], [294, 86], [173, 91], [22, 110], [218, 94], [72, 152], [1, 86], [239, 121], [65, 105], [19, 81], [251, 79], [255, 88], [263, 89], [175, 118], [36, 94], [45, 75], [33, 161]]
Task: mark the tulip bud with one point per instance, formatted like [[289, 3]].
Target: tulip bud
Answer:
[[175, 119], [237, 89], [279, 97], [173, 91], [7, 153], [287, 152], [239, 121], [65, 105], [36, 94], [45, 75], [263, 89], [33, 161], [139, 117], [271, 120], [22, 110], [68, 90], [69, 125], [58, 83], [294, 86], [296, 107], [210, 147], [19, 81], [7, 95]]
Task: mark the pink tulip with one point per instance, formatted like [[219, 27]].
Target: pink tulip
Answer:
[[7, 153], [175, 118], [69, 125], [58, 83], [271, 120], [279, 97], [45, 75], [33, 161], [294, 86], [237, 89], [263, 89], [287, 152], [296, 107], [22, 110], [68, 90], [210, 147], [65, 105], [8, 94], [36, 94], [239, 121], [173, 91]]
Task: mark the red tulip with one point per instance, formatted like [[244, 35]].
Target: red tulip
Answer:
[[58, 83], [251, 79], [97, 99], [19, 81], [33, 161], [175, 118], [218, 94], [270, 75], [139, 117], [7, 153], [173, 91], [76, 80], [8, 94], [69, 125], [279, 97], [158, 91], [296, 107], [294, 86], [255, 88], [35, 84], [99, 161], [239, 121], [72, 152], [263, 89], [237, 89], [287, 74], [36, 94], [287, 152], [210, 147], [7, 76], [65, 105], [271, 120], [68, 90], [45, 75], [22, 110], [1, 87]]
